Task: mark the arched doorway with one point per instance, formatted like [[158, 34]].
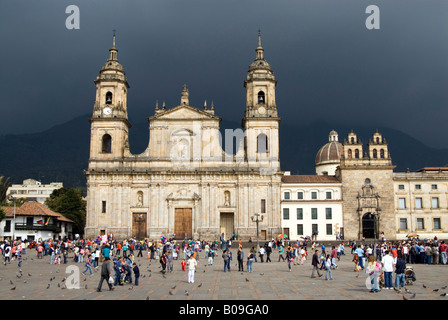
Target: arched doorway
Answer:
[[368, 226]]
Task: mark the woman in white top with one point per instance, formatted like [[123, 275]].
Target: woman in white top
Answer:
[[192, 263]]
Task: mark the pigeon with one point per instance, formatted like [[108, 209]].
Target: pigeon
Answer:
[[48, 287], [397, 290], [171, 293], [444, 287], [132, 287], [173, 287], [164, 276], [424, 286], [186, 292], [435, 290], [407, 290], [261, 274], [24, 281], [200, 285], [59, 285], [443, 294], [29, 274], [10, 281], [247, 280], [13, 288], [147, 298], [86, 286]]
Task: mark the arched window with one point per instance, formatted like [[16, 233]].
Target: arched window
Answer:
[[261, 97], [262, 143], [382, 153], [109, 97], [106, 146], [349, 153], [352, 140], [375, 154], [357, 153], [377, 140]]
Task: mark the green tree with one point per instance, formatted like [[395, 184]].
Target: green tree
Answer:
[[2, 214], [70, 204], [4, 185]]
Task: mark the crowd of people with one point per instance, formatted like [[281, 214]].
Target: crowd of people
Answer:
[[118, 265]]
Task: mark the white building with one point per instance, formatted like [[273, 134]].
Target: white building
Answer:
[[421, 203], [311, 203], [33, 221], [32, 190]]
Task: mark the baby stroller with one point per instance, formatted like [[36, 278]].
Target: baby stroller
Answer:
[[409, 275]]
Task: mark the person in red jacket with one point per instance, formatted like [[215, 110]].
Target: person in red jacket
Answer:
[[442, 249], [334, 256]]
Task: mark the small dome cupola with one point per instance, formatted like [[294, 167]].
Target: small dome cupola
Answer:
[[329, 156]]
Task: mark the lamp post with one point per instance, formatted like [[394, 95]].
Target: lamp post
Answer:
[[139, 219], [374, 214], [257, 218]]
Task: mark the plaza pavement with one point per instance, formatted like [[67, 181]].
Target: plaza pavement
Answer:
[[268, 281]]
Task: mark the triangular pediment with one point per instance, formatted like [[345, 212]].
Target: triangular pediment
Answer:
[[183, 112]]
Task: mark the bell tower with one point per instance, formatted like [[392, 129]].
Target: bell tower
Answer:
[[261, 121], [109, 121]]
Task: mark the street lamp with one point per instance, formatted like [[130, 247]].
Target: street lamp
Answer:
[[139, 219], [374, 214], [257, 218]]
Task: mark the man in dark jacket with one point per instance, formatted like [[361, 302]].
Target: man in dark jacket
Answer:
[[315, 263], [105, 274], [268, 253]]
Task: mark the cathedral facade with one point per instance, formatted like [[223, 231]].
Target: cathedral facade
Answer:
[[185, 183], [190, 182]]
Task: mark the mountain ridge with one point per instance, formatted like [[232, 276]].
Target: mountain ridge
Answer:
[[61, 153]]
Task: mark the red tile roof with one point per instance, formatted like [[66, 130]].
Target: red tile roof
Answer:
[[33, 208], [309, 179], [433, 169]]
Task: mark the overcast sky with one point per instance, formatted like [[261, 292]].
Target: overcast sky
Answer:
[[329, 66]]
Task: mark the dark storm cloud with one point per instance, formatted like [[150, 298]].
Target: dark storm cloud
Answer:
[[328, 65]]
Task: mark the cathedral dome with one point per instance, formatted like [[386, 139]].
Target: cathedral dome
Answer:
[[329, 156]]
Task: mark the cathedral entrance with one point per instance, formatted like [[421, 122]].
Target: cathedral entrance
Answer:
[[183, 226], [139, 226], [226, 225], [368, 226]]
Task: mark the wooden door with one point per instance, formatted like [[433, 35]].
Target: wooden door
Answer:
[[139, 221], [183, 218], [227, 224]]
